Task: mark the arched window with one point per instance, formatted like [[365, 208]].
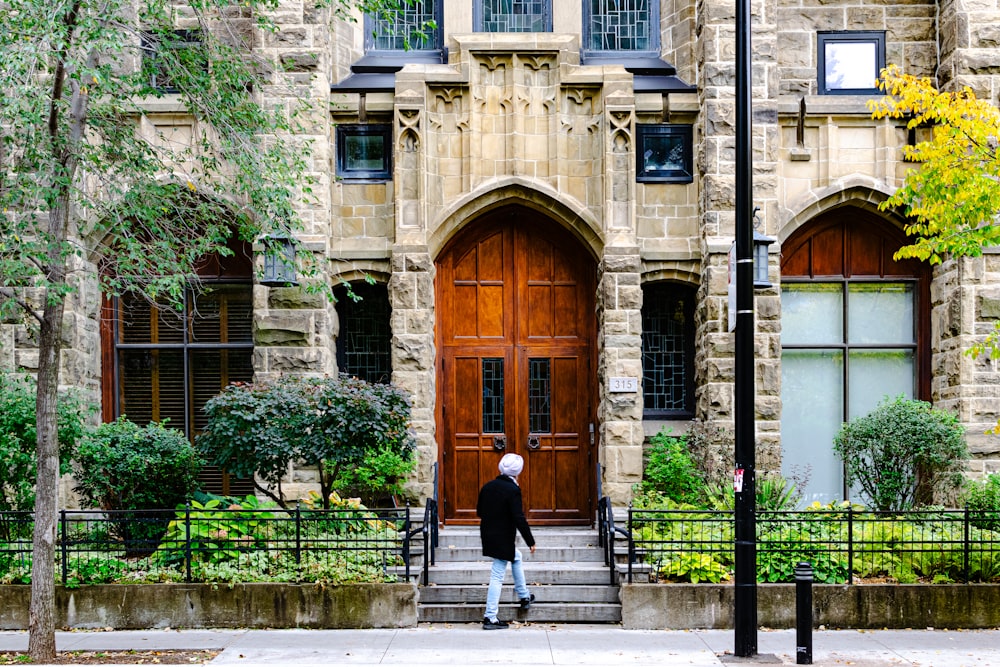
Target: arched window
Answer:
[[161, 364], [667, 351], [363, 342], [854, 329]]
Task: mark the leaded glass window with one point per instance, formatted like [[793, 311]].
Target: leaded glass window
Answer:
[[622, 25], [364, 337], [513, 16], [406, 28], [667, 350], [539, 396], [493, 403]]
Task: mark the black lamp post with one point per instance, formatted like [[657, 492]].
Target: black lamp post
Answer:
[[279, 261], [745, 592]]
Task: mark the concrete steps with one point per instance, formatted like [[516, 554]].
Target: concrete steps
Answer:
[[566, 574]]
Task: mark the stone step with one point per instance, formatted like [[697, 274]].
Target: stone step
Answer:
[[473, 594], [545, 573], [539, 613], [468, 537], [453, 554]]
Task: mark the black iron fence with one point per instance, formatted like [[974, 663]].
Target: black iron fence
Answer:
[[843, 544], [222, 544]]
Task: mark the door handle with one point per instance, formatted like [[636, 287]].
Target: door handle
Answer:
[[499, 442], [533, 442]]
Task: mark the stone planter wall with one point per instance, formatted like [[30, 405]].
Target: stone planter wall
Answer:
[[689, 606], [258, 605]]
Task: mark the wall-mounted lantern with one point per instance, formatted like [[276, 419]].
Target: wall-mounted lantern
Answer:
[[279, 261], [760, 244]]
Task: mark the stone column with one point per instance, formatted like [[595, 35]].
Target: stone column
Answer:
[[716, 163], [411, 292], [965, 296], [294, 332], [619, 343]]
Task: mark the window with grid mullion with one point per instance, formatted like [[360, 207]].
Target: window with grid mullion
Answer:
[[393, 32], [621, 25], [515, 16]]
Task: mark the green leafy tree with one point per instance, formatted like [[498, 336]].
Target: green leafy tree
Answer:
[[17, 438], [86, 179], [355, 433], [952, 195], [902, 452]]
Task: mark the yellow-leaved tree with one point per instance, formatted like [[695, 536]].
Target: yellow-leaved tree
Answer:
[[952, 195]]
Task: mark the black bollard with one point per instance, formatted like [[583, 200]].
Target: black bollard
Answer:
[[803, 614]]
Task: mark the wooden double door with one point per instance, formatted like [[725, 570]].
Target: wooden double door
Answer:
[[516, 332]]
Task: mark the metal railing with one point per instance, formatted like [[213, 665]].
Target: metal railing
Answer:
[[843, 545], [232, 544]]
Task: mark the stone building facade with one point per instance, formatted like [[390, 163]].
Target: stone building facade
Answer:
[[500, 184]]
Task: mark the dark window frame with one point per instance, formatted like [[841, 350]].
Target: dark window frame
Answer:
[[848, 37], [656, 294], [654, 35], [478, 18], [344, 171], [647, 133]]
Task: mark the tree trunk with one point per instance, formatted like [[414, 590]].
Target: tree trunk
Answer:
[[41, 614]]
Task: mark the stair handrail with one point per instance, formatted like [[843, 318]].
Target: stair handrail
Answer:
[[607, 532], [427, 529]]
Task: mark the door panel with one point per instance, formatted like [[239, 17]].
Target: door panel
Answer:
[[517, 292]]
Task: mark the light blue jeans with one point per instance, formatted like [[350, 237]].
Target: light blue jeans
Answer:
[[497, 573]]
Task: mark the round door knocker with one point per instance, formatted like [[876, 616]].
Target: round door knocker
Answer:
[[499, 443], [533, 442]]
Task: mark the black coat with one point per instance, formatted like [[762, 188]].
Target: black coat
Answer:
[[501, 513]]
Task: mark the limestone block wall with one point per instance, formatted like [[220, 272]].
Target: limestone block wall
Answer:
[[969, 41], [911, 36]]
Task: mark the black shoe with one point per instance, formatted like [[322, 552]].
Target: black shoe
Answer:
[[526, 602], [495, 624]]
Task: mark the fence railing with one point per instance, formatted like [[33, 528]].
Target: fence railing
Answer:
[[195, 544], [843, 545]]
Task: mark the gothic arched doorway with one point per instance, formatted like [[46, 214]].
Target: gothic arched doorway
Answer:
[[516, 357]]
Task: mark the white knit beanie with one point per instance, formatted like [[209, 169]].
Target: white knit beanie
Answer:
[[511, 465]]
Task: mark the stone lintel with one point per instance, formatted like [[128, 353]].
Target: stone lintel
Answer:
[[375, 253], [825, 105], [668, 255], [568, 45]]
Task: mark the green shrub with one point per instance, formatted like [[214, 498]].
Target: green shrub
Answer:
[[772, 492], [670, 470], [982, 499], [902, 453], [123, 466], [218, 532], [355, 433], [693, 567], [17, 440]]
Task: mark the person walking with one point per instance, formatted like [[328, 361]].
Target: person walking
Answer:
[[501, 514]]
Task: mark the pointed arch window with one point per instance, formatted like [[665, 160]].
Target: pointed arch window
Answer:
[[854, 329], [163, 365]]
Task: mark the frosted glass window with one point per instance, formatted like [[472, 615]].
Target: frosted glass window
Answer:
[[812, 313], [874, 374], [880, 313], [812, 392]]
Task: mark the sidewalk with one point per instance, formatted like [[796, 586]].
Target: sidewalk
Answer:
[[534, 645]]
